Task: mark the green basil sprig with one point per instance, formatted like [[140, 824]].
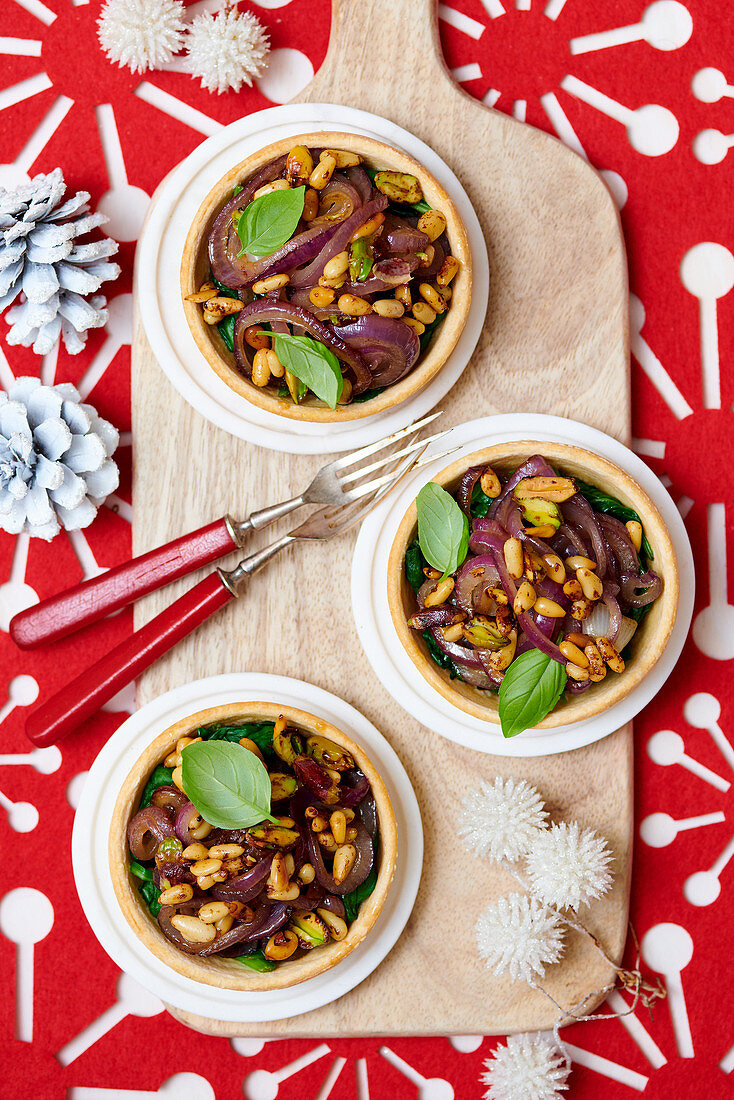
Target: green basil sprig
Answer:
[[443, 529], [530, 689], [313, 364], [268, 222], [228, 784]]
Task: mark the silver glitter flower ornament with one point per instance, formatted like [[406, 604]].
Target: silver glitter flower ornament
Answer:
[[226, 50], [500, 821], [528, 1067], [56, 467], [568, 866], [141, 34], [519, 936]]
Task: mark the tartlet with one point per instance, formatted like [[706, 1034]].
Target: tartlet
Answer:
[[227, 973], [195, 270]]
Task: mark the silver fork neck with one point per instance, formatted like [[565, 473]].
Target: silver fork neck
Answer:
[[236, 579]]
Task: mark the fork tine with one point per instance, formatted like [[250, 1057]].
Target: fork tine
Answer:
[[442, 454], [364, 452], [412, 446], [388, 479]]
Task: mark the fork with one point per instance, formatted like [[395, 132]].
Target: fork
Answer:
[[79, 700], [86, 603]]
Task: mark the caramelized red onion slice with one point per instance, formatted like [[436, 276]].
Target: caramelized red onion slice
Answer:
[[355, 786], [337, 201], [361, 181], [400, 236], [466, 487], [147, 829], [385, 275], [224, 244], [620, 543], [388, 346], [472, 581], [247, 886], [362, 864], [264, 923], [446, 615], [168, 797], [339, 240], [578, 513], [187, 814], [535, 466], [641, 591], [463, 656]]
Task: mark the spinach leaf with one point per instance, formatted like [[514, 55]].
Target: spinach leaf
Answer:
[[437, 654], [366, 396], [228, 784], [259, 732], [226, 330], [256, 961], [443, 529], [137, 869], [530, 689], [268, 222], [223, 291], [161, 777], [149, 893], [610, 506], [414, 562], [480, 503], [427, 336], [312, 363], [353, 900]]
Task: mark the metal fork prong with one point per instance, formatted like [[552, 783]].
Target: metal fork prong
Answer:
[[412, 446], [360, 491], [442, 454], [365, 452]]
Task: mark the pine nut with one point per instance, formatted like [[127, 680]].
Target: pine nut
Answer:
[[225, 851], [281, 946], [219, 308], [434, 299], [184, 742], [336, 266], [310, 205], [447, 292], [423, 313], [256, 339], [402, 294], [417, 327], [525, 599], [428, 256], [205, 881], [319, 824], [203, 294], [278, 879], [177, 778], [447, 271], [573, 589], [327, 842], [388, 307], [432, 223], [635, 533], [232, 866], [597, 670], [307, 874], [212, 911], [440, 593], [172, 760], [210, 318], [553, 610], [287, 893], [311, 812], [323, 172], [368, 228], [544, 531], [196, 851], [431, 573], [280, 725], [351, 834], [580, 609], [332, 284], [452, 633], [224, 924], [514, 558], [322, 296], [290, 864], [276, 367], [344, 858], [268, 188], [338, 825], [293, 387], [200, 831], [260, 377], [353, 306], [346, 392], [205, 867], [576, 672], [176, 895], [273, 282], [554, 568], [299, 165], [342, 157], [336, 925], [556, 489], [578, 561], [572, 653], [490, 484], [193, 929], [579, 640], [610, 654], [591, 585]]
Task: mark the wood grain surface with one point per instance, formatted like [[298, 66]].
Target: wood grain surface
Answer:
[[555, 341]]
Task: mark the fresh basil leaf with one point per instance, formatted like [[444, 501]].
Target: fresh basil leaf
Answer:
[[610, 506], [313, 364], [161, 777], [414, 562], [237, 188], [268, 222], [530, 689], [227, 784], [443, 529]]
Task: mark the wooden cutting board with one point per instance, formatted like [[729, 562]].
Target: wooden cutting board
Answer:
[[555, 341]]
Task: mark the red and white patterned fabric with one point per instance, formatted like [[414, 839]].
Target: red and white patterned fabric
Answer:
[[588, 71]]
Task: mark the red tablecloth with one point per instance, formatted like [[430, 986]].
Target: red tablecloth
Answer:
[[539, 63]]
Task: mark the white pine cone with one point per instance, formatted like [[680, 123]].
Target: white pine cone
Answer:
[[41, 257], [55, 459]]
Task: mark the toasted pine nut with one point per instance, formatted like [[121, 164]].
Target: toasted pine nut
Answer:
[[319, 824], [434, 299], [327, 842], [544, 531], [514, 558], [290, 863], [172, 760], [177, 778], [287, 893], [573, 589], [526, 598], [311, 812], [299, 165], [307, 874], [342, 157], [490, 484], [224, 924], [279, 726], [579, 640], [402, 293], [388, 307], [225, 851], [332, 284], [195, 851], [597, 670], [278, 878], [446, 292], [544, 606], [423, 313], [203, 294], [447, 271], [344, 858], [440, 593], [219, 308], [417, 327], [428, 256], [580, 609], [212, 911], [576, 672], [205, 881], [273, 282], [310, 205], [175, 895], [635, 532], [336, 925], [452, 633], [338, 824], [351, 834], [591, 585], [276, 367], [260, 377], [578, 561], [200, 831], [256, 339], [322, 296], [431, 573], [276, 185], [556, 489], [610, 654], [572, 653], [287, 822], [432, 223], [323, 172], [336, 266], [293, 387], [346, 392], [193, 929], [353, 306], [554, 568], [281, 945], [369, 227], [205, 866]]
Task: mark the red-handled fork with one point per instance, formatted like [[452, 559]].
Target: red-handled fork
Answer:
[[336, 483]]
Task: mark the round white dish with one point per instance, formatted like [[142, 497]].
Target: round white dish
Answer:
[[161, 310], [90, 854], [379, 638]]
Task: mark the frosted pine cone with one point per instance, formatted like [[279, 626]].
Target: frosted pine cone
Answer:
[[41, 257], [55, 459], [528, 1067], [501, 819], [519, 936], [141, 34], [569, 866], [226, 49]]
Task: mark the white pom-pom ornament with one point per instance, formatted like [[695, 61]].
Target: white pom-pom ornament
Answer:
[[519, 936], [226, 50], [502, 819], [56, 467], [569, 866], [141, 34], [528, 1067]]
